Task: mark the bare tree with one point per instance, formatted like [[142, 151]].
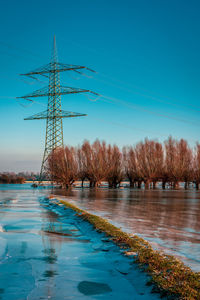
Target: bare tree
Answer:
[[62, 166], [11, 178], [150, 161], [114, 173], [82, 165], [147, 162], [130, 165], [178, 162], [196, 166], [87, 158], [95, 162], [171, 171], [184, 162]]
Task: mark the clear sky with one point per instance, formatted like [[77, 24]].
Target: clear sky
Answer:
[[147, 57]]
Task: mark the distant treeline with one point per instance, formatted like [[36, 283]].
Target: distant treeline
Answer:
[[21, 177], [4, 178], [147, 163], [29, 176]]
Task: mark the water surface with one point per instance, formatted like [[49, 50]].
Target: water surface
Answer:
[[169, 219], [47, 252]]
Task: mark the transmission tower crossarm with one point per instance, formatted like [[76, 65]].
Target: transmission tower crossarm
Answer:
[[55, 67], [62, 90], [60, 114]]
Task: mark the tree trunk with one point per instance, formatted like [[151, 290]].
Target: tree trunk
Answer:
[[92, 184], [113, 184], [97, 183], [154, 184], [132, 183], [175, 185], [146, 183], [139, 183], [164, 184]]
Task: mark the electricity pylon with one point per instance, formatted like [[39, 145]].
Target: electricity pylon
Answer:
[[54, 114]]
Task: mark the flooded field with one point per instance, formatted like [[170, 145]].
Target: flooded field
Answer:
[[169, 219], [47, 252]]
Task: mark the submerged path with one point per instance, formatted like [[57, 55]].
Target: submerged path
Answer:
[[47, 252]]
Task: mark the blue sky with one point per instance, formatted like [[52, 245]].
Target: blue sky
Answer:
[[147, 58]]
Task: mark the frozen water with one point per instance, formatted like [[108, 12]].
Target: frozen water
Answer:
[[168, 219], [47, 252]]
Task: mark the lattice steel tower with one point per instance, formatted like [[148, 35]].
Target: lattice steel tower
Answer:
[[53, 114]]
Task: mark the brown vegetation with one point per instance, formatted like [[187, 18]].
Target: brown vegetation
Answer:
[[196, 166], [63, 166], [148, 162], [7, 178]]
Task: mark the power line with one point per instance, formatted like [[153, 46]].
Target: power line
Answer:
[[103, 120], [191, 107], [30, 53], [133, 106], [188, 105]]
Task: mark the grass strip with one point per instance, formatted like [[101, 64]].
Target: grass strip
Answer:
[[169, 275]]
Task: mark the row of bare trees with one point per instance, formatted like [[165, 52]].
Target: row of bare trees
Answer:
[[11, 178], [148, 162]]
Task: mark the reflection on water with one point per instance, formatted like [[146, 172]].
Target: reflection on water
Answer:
[[28, 254], [170, 220], [46, 252]]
